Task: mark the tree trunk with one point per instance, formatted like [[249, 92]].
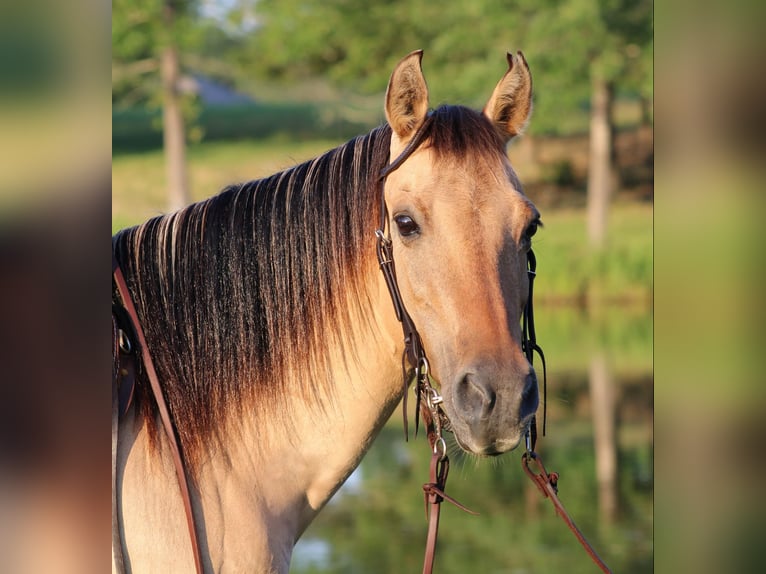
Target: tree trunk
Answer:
[[603, 407], [600, 161], [173, 122]]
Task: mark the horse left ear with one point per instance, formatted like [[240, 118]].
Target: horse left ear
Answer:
[[510, 105], [407, 96]]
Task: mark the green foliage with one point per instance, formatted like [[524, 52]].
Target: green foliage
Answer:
[[354, 46], [566, 42], [357, 44], [141, 29], [572, 41]]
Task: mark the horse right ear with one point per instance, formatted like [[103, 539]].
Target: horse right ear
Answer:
[[510, 105], [407, 96]]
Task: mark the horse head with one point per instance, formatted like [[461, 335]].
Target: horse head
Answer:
[[461, 229]]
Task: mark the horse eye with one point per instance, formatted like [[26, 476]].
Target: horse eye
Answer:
[[532, 228], [406, 225]]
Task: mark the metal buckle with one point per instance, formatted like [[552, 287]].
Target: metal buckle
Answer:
[[433, 398]]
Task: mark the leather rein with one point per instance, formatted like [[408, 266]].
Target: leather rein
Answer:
[[129, 342], [429, 400]]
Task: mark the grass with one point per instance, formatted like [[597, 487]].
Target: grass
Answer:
[[138, 179], [570, 271]]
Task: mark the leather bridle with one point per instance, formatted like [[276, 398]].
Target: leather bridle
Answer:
[[414, 353], [428, 398]]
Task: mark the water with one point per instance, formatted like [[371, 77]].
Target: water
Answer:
[[600, 399]]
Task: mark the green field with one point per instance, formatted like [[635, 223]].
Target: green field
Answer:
[[138, 179], [569, 272]]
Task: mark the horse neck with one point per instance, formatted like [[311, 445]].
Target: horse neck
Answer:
[[254, 500], [291, 478]]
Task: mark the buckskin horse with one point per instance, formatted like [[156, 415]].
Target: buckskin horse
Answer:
[[257, 354]]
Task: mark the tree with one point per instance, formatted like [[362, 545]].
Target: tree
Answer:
[[146, 35], [173, 132], [580, 51], [623, 27], [593, 47], [356, 44]]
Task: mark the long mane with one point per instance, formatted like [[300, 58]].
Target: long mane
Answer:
[[239, 292]]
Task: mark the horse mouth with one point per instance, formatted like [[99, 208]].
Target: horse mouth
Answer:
[[497, 446]]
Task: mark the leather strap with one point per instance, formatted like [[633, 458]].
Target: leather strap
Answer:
[[117, 550], [530, 346], [434, 490], [414, 353], [183, 482], [434, 494], [547, 484]]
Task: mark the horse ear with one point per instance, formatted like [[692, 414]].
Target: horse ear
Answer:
[[407, 96], [510, 105]]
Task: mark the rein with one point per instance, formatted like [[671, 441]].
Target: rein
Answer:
[[124, 352], [428, 398], [547, 483]]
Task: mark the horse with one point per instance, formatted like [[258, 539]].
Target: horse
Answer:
[[274, 341]]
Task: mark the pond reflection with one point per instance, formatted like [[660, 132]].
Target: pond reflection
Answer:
[[599, 440]]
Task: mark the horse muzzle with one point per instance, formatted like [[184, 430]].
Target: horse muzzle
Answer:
[[490, 416]]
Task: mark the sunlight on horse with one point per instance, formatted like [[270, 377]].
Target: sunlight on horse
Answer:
[[274, 337]]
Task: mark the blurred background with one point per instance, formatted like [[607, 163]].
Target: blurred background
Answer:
[[209, 93], [667, 306]]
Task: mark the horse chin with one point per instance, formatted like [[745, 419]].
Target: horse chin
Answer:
[[495, 447]]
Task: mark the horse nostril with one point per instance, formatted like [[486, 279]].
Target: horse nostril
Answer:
[[476, 396], [530, 397]]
